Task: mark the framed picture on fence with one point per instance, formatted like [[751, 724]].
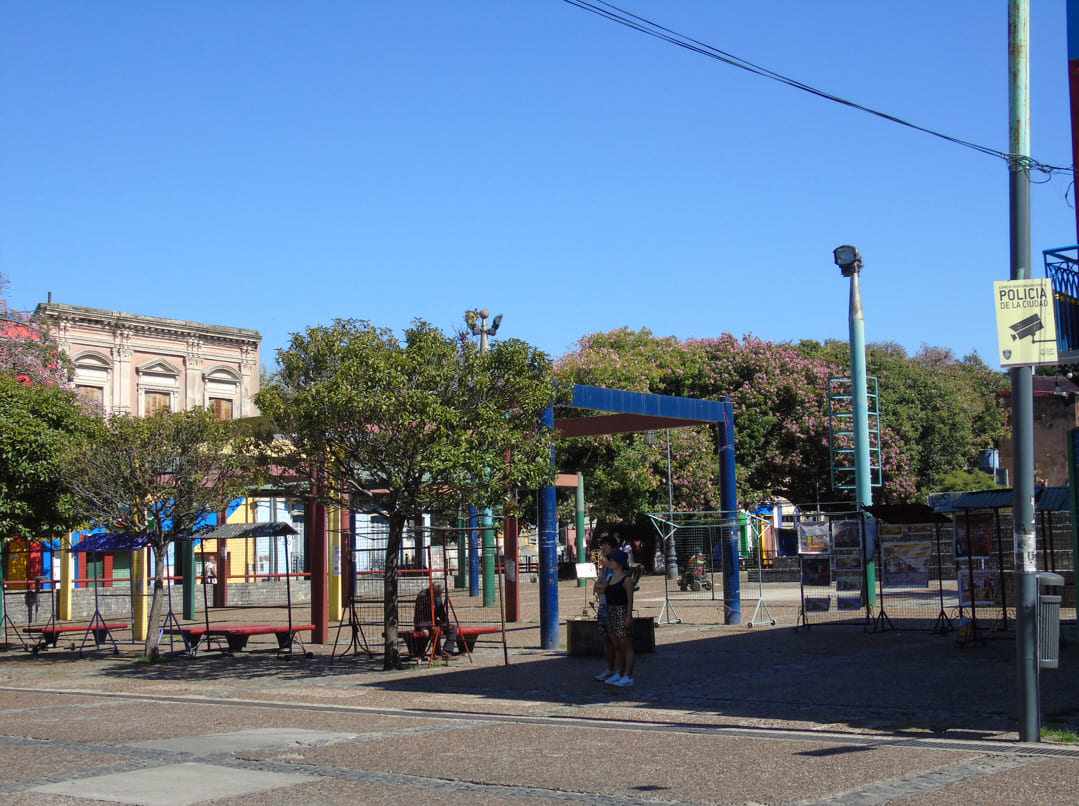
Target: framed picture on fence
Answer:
[[984, 590], [847, 535], [848, 561], [816, 571], [814, 537], [906, 565], [973, 535], [848, 582]]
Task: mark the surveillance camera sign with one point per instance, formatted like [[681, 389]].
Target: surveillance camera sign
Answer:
[[1026, 322]]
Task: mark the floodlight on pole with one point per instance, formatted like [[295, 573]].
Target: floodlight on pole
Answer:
[[849, 260]]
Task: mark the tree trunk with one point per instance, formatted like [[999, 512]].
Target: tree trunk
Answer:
[[392, 657], [156, 604]]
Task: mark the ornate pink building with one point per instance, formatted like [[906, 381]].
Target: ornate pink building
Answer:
[[134, 364]]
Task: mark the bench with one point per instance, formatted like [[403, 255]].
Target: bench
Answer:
[[49, 635], [236, 635], [417, 640]]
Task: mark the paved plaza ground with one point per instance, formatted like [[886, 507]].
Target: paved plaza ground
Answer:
[[718, 715]]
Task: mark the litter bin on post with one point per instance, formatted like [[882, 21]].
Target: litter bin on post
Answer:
[[1049, 621]]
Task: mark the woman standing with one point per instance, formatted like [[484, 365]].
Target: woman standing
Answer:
[[619, 594]]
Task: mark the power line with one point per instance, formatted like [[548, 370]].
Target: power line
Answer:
[[645, 26]]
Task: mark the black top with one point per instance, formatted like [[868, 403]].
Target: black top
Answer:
[[616, 593]]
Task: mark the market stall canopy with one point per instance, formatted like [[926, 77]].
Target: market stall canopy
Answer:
[[906, 513], [113, 541], [238, 531]]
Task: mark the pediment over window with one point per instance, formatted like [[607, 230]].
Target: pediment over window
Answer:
[[159, 368]]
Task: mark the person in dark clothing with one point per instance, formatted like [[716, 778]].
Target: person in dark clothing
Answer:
[[619, 595], [429, 613]]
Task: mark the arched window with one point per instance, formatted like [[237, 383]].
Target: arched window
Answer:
[[222, 390], [93, 376]]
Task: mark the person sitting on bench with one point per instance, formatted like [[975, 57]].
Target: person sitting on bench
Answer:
[[439, 610]]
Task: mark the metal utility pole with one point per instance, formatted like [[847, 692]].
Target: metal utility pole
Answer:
[[489, 590], [1026, 571], [849, 260]]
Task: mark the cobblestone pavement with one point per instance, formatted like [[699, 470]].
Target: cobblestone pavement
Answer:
[[718, 715]]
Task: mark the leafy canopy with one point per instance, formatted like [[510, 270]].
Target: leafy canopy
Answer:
[[38, 423]]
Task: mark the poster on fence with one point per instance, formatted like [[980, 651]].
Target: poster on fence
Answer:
[[816, 571], [848, 561], [817, 604], [848, 582], [813, 537], [973, 533], [847, 535], [906, 565], [985, 588]]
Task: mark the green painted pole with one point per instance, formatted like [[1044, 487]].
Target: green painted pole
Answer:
[[490, 592], [187, 553], [863, 478], [580, 526]]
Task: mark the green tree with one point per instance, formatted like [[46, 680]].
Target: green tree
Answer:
[[162, 477], [937, 411], [38, 422], [423, 425]]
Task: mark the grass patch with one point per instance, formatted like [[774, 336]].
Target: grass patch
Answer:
[[1059, 735]]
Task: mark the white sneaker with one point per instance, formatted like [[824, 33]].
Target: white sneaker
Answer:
[[614, 679], [622, 681], [605, 674]]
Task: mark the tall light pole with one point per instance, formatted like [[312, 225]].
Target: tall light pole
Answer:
[[849, 260], [482, 330]]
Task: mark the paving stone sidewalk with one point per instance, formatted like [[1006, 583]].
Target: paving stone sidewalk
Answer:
[[717, 715]]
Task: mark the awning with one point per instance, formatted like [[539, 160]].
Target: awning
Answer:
[[115, 541], [238, 531]]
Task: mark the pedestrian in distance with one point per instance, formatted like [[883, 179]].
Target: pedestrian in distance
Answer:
[[607, 545], [619, 594]]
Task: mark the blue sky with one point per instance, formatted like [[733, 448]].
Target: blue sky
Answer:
[[275, 165]]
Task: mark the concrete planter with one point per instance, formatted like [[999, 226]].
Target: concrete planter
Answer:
[[582, 636]]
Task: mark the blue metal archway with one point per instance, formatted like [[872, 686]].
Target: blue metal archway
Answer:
[[628, 412]]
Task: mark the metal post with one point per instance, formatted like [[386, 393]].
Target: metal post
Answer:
[[1026, 571], [1073, 87], [548, 553], [473, 552], [490, 595], [728, 500], [581, 583], [863, 479], [672, 550]]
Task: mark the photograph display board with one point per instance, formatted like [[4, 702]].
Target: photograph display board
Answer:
[[985, 588], [848, 561], [906, 565], [975, 530], [847, 535], [814, 537], [816, 571]]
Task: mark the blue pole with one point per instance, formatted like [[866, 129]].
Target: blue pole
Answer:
[[728, 501], [473, 552], [548, 554]]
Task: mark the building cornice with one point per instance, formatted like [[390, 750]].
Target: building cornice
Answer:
[[146, 325]]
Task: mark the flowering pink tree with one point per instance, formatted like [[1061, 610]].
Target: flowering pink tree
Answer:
[[27, 351]]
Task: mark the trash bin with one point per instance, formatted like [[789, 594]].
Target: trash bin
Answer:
[[1049, 621]]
